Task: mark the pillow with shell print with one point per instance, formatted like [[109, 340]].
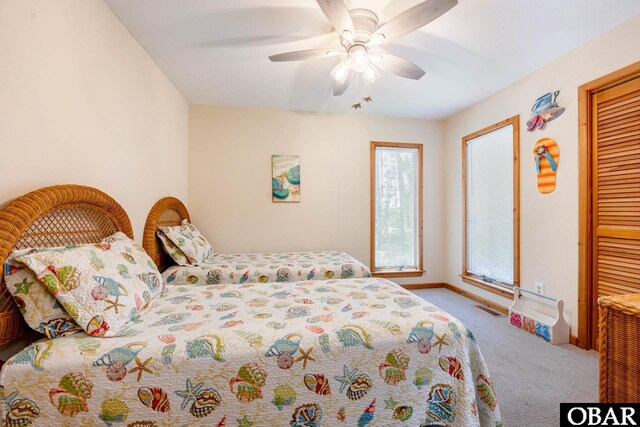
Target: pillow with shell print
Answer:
[[41, 311], [185, 244], [103, 287]]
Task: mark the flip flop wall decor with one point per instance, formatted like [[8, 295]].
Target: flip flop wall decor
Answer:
[[546, 154], [544, 110]]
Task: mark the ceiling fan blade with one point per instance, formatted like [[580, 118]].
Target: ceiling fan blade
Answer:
[[400, 66], [338, 14], [301, 55], [339, 88], [414, 18]]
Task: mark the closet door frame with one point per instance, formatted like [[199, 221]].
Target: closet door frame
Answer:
[[586, 307]]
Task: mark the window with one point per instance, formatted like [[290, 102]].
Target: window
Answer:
[[396, 209], [491, 172]]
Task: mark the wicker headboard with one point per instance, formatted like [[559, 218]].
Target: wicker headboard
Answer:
[[53, 216], [167, 212]]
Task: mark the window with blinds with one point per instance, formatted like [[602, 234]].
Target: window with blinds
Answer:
[[396, 208], [490, 191]]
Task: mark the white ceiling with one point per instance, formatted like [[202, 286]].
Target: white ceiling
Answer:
[[215, 51]]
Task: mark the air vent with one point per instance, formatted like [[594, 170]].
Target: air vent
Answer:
[[489, 310]]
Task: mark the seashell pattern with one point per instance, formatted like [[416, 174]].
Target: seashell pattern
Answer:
[[283, 395], [359, 387], [402, 413], [205, 347], [247, 385], [368, 415], [354, 335], [315, 329], [167, 353], [452, 366], [97, 326], [20, 412], [393, 369], [285, 361], [267, 354], [323, 340], [151, 280], [214, 277], [70, 398], [298, 311], [116, 371], [206, 401], [154, 398], [424, 375], [283, 275], [441, 404], [270, 267], [485, 392], [317, 383], [346, 271], [406, 302], [113, 411], [308, 415]]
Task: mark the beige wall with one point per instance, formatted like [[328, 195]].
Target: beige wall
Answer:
[[549, 223], [230, 168], [82, 102]]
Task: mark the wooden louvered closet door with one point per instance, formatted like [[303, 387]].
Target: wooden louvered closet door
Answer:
[[616, 192]]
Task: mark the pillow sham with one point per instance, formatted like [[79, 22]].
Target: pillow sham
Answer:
[[40, 310], [103, 287], [185, 244], [170, 248]]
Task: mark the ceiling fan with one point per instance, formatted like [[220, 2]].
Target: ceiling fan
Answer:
[[361, 35]]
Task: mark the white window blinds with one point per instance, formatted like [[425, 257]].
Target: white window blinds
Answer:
[[396, 208], [489, 204]]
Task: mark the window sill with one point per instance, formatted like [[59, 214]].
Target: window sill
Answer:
[[396, 273], [490, 287]]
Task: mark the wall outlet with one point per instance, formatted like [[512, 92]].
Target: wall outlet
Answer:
[[538, 288]]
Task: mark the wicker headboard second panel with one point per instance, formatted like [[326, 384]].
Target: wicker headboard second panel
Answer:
[[167, 212], [48, 217]]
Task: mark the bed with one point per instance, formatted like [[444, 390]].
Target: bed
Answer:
[[224, 268], [310, 353]]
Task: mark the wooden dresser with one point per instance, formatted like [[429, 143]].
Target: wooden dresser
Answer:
[[620, 348]]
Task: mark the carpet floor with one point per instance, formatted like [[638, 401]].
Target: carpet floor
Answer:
[[530, 377]]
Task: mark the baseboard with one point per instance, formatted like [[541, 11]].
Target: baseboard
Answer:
[[415, 286], [497, 307], [573, 340]]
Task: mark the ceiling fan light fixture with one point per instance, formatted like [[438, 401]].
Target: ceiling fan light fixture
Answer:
[[370, 74], [340, 72], [359, 59]]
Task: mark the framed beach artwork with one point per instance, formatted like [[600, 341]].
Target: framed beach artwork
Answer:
[[285, 179]]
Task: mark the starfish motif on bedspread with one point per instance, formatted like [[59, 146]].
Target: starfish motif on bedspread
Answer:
[[189, 393], [244, 422], [305, 357], [346, 378], [440, 341], [23, 287], [141, 367], [113, 304], [390, 403]]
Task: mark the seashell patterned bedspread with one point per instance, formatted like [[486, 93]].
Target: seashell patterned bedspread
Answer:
[[268, 268], [317, 353]]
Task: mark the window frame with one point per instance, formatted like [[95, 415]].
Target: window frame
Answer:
[[467, 276], [396, 273]]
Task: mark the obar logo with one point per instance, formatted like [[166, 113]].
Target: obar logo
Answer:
[[599, 414]]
